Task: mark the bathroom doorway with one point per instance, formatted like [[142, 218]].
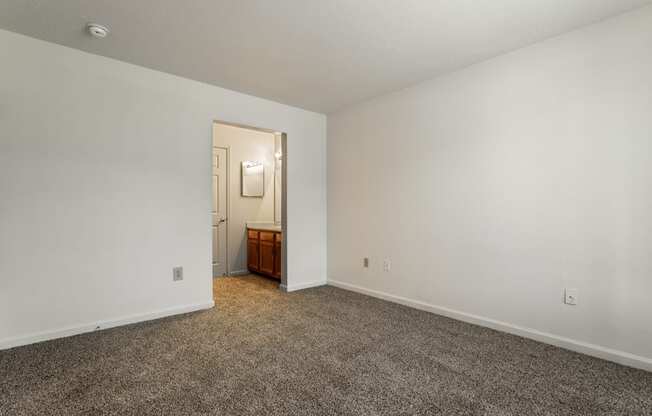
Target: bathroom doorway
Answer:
[[249, 230]]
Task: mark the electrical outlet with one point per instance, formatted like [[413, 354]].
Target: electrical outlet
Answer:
[[177, 273], [365, 262], [571, 297], [387, 265]]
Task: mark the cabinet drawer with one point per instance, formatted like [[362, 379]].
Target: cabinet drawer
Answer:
[[253, 235], [266, 236]]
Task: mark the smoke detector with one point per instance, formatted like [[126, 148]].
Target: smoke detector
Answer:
[[97, 31]]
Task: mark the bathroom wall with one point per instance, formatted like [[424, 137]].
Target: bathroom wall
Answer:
[[245, 144]]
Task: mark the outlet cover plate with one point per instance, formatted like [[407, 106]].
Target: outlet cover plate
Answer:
[[571, 297], [177, 273]]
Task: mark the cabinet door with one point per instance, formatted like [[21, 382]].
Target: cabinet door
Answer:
[[253, 255], [278, 257], [267, 257]]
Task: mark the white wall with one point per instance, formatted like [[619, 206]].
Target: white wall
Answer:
[[494, 188], [105, 186], [245, 144]]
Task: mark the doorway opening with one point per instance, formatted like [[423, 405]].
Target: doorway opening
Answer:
[[249, 202]]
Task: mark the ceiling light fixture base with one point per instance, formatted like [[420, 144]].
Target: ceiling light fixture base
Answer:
[[97, 31]]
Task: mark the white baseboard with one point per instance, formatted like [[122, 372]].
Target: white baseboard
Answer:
[[239, 273], [301, 286], [593, 350], [100, 325]]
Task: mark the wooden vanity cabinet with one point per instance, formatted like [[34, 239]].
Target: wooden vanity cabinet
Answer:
[[278, 257], [264, 252], [253, 251]]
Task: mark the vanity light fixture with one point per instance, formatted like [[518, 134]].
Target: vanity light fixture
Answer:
[[97, 31]]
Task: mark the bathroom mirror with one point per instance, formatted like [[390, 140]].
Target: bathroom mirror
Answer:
[[253, 178]]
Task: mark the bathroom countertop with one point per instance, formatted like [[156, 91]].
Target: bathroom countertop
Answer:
[[264, 226]]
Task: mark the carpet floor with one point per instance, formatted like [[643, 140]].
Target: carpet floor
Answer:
[[322, 351]]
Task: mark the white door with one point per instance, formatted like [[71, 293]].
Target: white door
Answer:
[[219, 211]]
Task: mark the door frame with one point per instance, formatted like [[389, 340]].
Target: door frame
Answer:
[[284, 193], [227, 267]]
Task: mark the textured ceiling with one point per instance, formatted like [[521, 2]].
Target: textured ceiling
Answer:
[[320, 55]]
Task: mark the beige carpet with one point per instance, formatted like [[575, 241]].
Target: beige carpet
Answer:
[[321, 351]]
